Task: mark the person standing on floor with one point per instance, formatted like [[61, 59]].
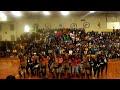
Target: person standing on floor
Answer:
[[23, 67], [106, 63], [20, 56], [20, 71], [99, 57], [75, 67], [90, 60], [102, 65], [29, 63], [79, 65], [86, 66], [83, 73], [95, 67]]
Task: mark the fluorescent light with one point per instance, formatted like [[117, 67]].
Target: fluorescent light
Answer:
[[65, 13], [16, 13], [26, 28], [46, 13], [92, 11], [3, 17], [34, 11]]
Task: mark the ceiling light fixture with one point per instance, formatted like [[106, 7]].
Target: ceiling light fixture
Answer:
[[16, 13], [92, 11], [46, 13], [34, 11], [65, 13], [3, 17]]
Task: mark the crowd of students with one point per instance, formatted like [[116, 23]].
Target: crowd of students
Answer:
[[7, 49], [68, 53]]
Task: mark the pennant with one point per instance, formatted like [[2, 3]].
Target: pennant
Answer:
[[99, 24]]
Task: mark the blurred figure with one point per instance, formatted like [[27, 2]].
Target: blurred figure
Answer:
[[10, 77]]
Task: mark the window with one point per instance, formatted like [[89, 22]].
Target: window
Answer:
[[12, 38], [11, 26]]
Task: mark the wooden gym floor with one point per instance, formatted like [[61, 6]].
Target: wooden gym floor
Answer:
[[9, 66]]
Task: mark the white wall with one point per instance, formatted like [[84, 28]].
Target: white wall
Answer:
[[54, 21]]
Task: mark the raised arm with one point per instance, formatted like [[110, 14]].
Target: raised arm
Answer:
[[55, 56], [42, 56]]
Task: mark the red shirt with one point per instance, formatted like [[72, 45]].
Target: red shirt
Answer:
[[69, 60], [78, 61], [58, 34], [75, 63], [45, 60]]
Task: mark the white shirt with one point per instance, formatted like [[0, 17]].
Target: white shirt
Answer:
[[105, 60], [70, 52], [77, 39], [71, 35]]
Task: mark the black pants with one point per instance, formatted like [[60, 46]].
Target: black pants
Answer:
[[49, 64], [95, 71], [27, 71], [43, 71], [79, 69], [106, 66], [20, 74], [101, 69], [31, 70], [98, 71], [90, 70]]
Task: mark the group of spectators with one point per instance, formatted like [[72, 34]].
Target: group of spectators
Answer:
[[68, 53], [7, 49]]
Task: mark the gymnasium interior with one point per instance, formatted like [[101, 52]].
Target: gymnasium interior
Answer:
[[59, 44]]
